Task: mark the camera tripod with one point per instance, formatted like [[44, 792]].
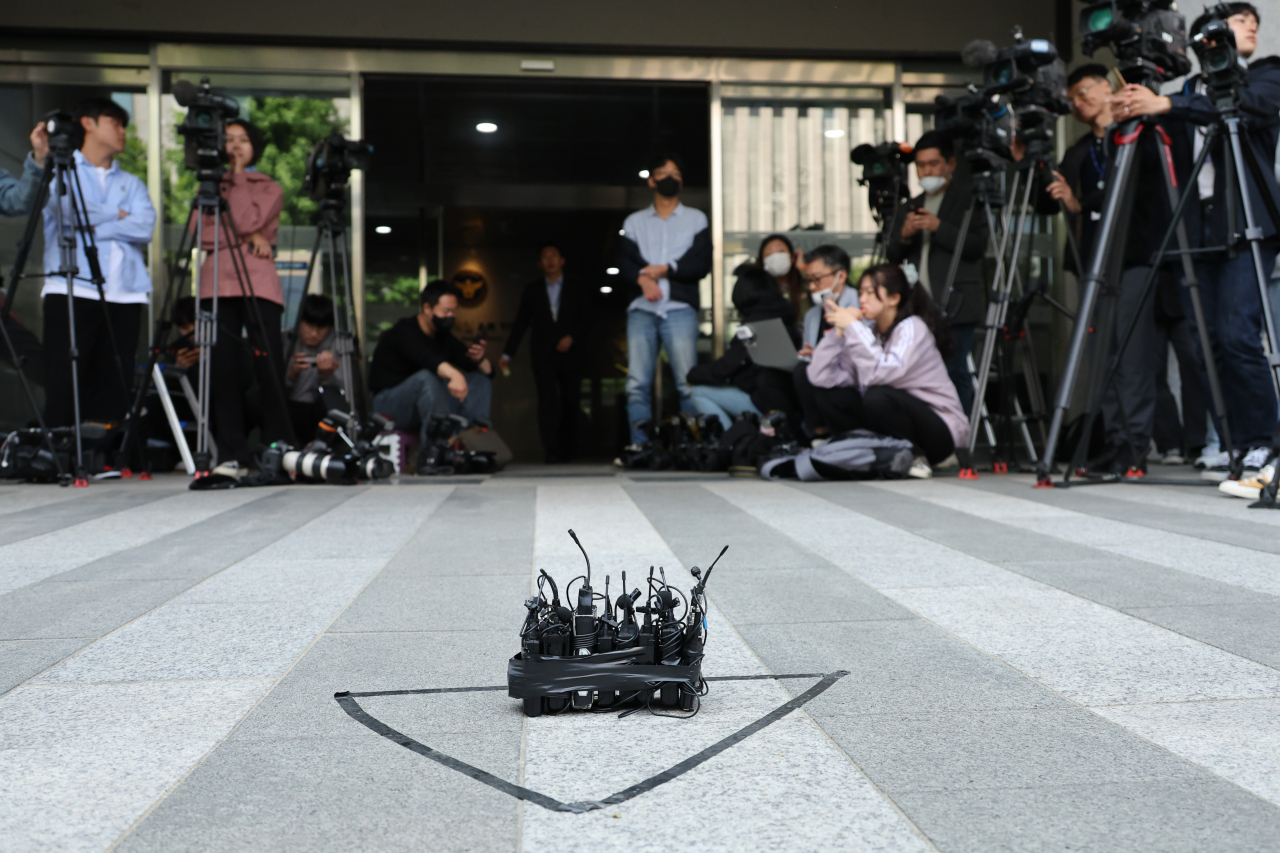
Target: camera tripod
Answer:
[[72, 221], [1105, 263], [333, 239], [209, 202]]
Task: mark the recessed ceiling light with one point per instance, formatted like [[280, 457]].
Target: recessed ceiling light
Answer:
[[644, 173], [622, 233], [833, 133], [383, 229], [612, 270], [606, 289], [487, 127]]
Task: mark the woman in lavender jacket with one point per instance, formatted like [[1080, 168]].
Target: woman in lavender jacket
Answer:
[[889, 376]]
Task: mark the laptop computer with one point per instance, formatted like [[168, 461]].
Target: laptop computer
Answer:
[[770, 345]]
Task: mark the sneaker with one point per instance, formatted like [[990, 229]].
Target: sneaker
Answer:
[[920, 469], [1173, 457], [1256, 458], [1250, 487], [818, 442], [951, 461], [1213, 460], [231, 468]]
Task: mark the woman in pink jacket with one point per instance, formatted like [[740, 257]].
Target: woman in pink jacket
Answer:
[[242, 354], [889, 376]]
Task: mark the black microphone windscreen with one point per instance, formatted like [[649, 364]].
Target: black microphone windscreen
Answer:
[[978, 53], [184, 91]]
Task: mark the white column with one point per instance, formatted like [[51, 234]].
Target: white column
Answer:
[[717, 222], [841, 202], [788, 161], [762, 172], [357, 211], [155, 184], [739, 166], [811, 168], [862, 128], [915, 128], [899, 106]]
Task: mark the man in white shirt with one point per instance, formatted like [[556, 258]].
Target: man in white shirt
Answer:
[[121, 218], [664, 253]]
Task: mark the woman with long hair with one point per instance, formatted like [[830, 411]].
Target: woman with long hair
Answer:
[[889, 376], [777, 257], [242, 354]]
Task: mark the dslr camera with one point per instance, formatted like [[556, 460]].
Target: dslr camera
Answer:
[[204, 130], [342, 452]]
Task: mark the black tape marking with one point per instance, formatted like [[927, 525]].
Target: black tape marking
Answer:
[[349, 704]]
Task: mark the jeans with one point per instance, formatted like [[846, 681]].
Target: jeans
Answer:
[[726, 402], [1233, 315], [958, 364], [424, 395], [646, 334]]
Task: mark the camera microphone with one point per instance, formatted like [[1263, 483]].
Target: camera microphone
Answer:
[[184, 92], [979, 53]]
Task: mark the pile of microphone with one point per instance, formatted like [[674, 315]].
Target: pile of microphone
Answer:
[[578, 659]]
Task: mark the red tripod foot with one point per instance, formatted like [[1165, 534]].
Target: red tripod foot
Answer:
[[145, 475], [81, 482], [1000, 468], [126, 473], [967, 474], [1044, 483], [1135, 472]]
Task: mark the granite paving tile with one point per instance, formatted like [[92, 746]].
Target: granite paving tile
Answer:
[[23, 659]]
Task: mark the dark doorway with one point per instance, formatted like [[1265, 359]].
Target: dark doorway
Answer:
[[562, 166]]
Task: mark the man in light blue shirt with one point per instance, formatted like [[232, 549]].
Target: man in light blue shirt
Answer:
[[121, 218], [664, 253]]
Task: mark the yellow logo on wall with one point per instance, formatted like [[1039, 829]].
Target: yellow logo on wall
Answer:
[[473, 286]]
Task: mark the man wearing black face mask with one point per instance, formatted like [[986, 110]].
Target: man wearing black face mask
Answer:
[[421, 370], [664, 252]]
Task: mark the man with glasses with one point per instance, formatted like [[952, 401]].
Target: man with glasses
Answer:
[[1082, 174], [826, 270]]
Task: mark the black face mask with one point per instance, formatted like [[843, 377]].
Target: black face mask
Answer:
[[442, 324], [668, 187]]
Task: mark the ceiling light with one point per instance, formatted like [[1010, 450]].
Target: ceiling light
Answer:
[[833, 133], [612, 270], [487, 127], [622, 233], [644, 173], [606, 289], [383, 229]]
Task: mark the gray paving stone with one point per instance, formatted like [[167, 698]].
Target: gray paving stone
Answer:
[[822, 593], [1170, 817], [1249, 630], [900, 666], [22, 659], [88, 608], [399, 603], [499, 523], [357, 792], [1124, 582], [1000, 749], [102, 499]]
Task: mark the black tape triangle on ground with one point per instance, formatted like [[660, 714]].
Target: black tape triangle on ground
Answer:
[[349, 704]]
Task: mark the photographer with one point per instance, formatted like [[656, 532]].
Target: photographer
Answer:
[[732, 384], [1228, 287], [313, 381], [664, 253], [925, 232], [17, 194], [255, 202], [889, 377], [551, 310], [122, 219], [421, 370]]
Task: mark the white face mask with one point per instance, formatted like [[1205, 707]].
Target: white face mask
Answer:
[[820, 296], [778, 264], [932, 183]]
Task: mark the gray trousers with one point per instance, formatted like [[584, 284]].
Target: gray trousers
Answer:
[[424, 395], [1142, 361]]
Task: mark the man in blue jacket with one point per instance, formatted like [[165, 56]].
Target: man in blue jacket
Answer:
[[1228, 285], [665, 251], [16, 194], [121, 217]]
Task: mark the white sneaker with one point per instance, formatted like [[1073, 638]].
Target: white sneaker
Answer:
[[231, 468], [920, 469], [1219, 459], [1256, 458], [1173, 457], [1249, 488], [951, 461], [818, 442]]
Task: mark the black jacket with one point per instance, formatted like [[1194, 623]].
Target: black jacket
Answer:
[[404, 349], [1207, 220], [1081, 174], [968, 298], [691, 268], [757, 297], [534, 314]]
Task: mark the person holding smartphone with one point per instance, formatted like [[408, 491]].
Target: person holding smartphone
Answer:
[[314, 380]]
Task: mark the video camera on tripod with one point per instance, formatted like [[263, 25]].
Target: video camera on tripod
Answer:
[[584, 660], [1148, 38], [884, 174], [330, 163], [204, 130]]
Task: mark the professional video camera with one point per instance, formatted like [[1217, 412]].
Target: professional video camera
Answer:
[[342, 452], [1148, 37], [444, 452], [204, 130], [576, 658], [1215, 45], [884, 174], [330, 163], [1034, 79]]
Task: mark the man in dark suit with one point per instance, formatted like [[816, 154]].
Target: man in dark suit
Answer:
[[551, 310], [925, 233]]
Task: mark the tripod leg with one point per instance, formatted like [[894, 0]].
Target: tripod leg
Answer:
[[171, 414]]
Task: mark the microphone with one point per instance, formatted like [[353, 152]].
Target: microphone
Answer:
[[978, 53], [184, 92]]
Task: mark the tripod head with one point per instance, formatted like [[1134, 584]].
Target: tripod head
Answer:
[[204, 132], [329, 168], [66, 135], [1220, 66]]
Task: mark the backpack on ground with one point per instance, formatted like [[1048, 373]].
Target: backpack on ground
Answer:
[[857, 455]]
